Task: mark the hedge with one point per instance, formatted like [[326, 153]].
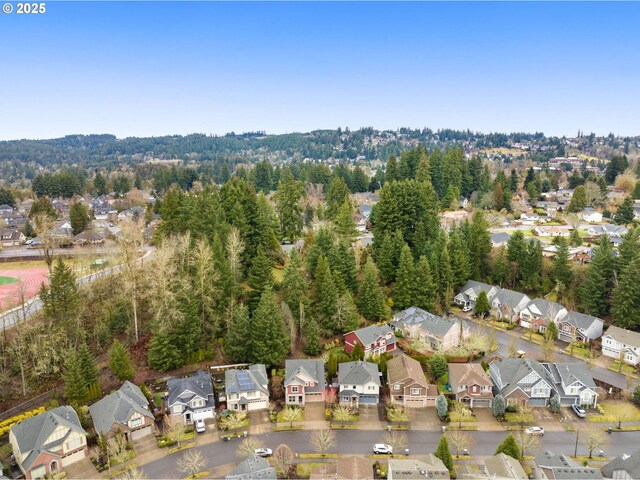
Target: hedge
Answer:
[[6, 425]]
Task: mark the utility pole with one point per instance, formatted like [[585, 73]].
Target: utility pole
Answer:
[[575, 452]]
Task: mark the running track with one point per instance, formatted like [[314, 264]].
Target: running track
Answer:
[[30, 278]]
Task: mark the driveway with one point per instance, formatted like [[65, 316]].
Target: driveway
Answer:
[[425, 418], [314, 412]]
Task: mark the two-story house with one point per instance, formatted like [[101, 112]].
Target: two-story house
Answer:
[[590, 215], [578, 327], [540, 312], [304, 381], [558, 466], [253, 468], [521, 381], [407, 384], [125, 410], [469, 293], [508, 304], [191, 397], [618, 342], [45, 444], [427, 466], [375, 339], [573, 383], [247, 390], [436, 333], [623, 467], [359, 383], [470, 384]]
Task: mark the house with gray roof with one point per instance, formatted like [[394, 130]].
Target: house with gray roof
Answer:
[[508, 304], [247, 390], [607, 229], [499, 239], [558, 466], [579, 327], [125, 410], [498, 467], [573, 383], [47, 443], [428, 466], [253, 468], [521, 381], [359, 383], [540, 312], [435, 332], [469, 293], [624, 466], [304, 381], [375, 339], [191, 397], [618, 342]]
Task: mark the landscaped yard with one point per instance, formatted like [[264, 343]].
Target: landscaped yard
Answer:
[[580, 352], [303, 470], [518, 417], [465, 417], [533, 337], [610, 413], [627, 369]]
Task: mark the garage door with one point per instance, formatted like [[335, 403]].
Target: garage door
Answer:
[[369, 399], [204, 414], [143, 432], [431, 402], [413, 403], [481, 403], [537, 402], [74, 457]]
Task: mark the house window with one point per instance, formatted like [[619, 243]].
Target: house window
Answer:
[[370, 387], [396, 387], [177, 409], [135, 422], [74, 443], [292, 399], [566, 328], [294, 389], [415, 391], [629, 357], [354, 387]]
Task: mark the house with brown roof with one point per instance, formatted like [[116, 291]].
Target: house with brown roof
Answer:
[[470, 384], [354, 468], [407, 384]]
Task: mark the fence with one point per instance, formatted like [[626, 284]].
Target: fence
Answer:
[[33, 402]]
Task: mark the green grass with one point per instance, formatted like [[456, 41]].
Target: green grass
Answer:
[[8, 280], [535, 338], [627, 369], [283, 421], [318, 455], [184, 446], [287, 428], [578, 352], [608, 415], [463, 427], [515, 418], [303, 470]]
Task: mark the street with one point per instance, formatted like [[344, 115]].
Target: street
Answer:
[[360, 442]]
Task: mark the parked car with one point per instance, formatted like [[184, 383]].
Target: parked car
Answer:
[[382, 448], [200, 426], [263, 452], [578, 410], [535, 431], [521, 353]]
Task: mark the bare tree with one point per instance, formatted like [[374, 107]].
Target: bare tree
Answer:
[[176, 431], [248, 447], [117, 447], [133, 474], [527, 442], [235, 247], [191, 462], [396, 440], [322, 440], [594, 440], [460, 440], [291, 414], [461, 411], [512, 349], [130, 243], [291, 323], [43, 224], [283, 460], [624, 412], [342, 413]]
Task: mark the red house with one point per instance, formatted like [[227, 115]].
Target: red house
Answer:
[[375, 339]]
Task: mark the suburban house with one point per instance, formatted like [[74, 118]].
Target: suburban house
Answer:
[[10, 237], [498, 467], [125, 410], [435, 332], [521, 381], [253, 468], [539, 312], [608, 229], [6, 209], [360, 221], [529, 219], [590, 215], [532, 383], [304, 381], [45, 444], [552, 231], [407, 384], [470, 384], [359, 383], [617, 342], [428, 466], [191, 397], [551, 208], [375, 339], [499, 239], [364, 210], [508, 304], [247, 390], [558, 466], [578, 327], [469, 293], [352, 468], [623, 467]]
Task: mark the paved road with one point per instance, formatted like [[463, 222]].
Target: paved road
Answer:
[[533, 351], [360, 442]]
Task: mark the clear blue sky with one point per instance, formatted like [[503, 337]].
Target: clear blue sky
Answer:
[[156, 68]]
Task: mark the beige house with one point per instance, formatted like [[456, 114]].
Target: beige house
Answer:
[[407, 384], [435, 332], [471, 384]]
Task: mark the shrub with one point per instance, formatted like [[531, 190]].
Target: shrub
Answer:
[[6, 425]]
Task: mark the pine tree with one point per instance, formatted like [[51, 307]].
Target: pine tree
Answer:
[[575, 239], [100, 184], [75, 387], [260, 278], [270, 335], [61, 300], [480, 246], [391, 172], [325, 295], [482, 303], [239, 345], [444, 453], [595, 290], [498, 196], [498, 406], [561, 269], [163, 354], [337, 195], [311, 338], [288, 206], [386, 259], [294, 285], [119, 361], [345, 226], [531, 268], [423, 172], [514, 181], [79, 217], [628, 250], [371, 298], [626, 297], [624, 214], [578, 199], [89, 370], [343, 263], [403, 292], [510, 447], [636, 191], [424, 294]]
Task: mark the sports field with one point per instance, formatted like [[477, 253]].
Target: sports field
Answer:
[[18, 283]]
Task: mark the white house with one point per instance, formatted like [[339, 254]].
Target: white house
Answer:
[[590, 215], [617, 341], [191, 397], [247, 390], [359, 383], [539, 312]]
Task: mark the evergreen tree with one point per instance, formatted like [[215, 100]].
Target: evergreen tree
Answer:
[[89, 370], [371, 296], [501, 268], [498, 196], [311, 338], [595, 289], [294, 286], [424, 295], [288, 206], [403, 293], [270, 335], [75, 387], [510, 447], [61, 300], [260, 278], [626, 297], [578, 199], [551, 332], [325, 295], [163, 354], [345, 226], [482, 304], [119, 361], [343, 263], [514, 181], [459, 256], [498, 406], [628, 250], [531, 268], [387, 258], [423, 172], [239, 345], [100, 184], [636, 191], [337, 194], [480, 246], [444, 453], [79, 217], [575, 239], [442, 406], [359, 181], [624, 214], [346, 318], [391, 172], [561, 269]]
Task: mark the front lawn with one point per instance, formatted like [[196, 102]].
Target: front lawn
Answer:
[[533, 337], [580, 352], [628, 370], [516, 417], [609, 413], [303, 470], [282, 419], [467, 416]]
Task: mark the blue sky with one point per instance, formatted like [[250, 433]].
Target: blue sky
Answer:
[[156, 68]]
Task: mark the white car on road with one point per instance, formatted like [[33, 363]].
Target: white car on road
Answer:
[[263, 452], [382, 448], [535, 431]]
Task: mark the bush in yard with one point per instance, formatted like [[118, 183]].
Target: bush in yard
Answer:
[[438, 365], [554, 404], [498, 406], [635, 398], [442, 406], [510, 447]]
